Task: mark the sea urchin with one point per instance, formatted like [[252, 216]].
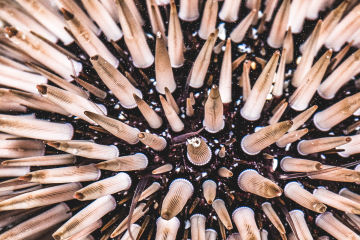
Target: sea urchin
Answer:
[[163, 119]]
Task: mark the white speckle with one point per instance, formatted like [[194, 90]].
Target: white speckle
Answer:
[[244, 48], [222, 31], [187, 224], [275, 164], [287, 147], [121, 116], [150, 36], [254, 33]]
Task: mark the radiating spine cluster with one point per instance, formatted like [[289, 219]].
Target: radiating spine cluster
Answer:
[[100, 72]]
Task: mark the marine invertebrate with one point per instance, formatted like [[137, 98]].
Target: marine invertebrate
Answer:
[[174, 116]]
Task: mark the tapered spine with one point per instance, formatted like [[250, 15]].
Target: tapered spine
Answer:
[[300, 224], [153, 141], [189, 10], [349, 194], [41, 197], [163, 169], [103, 19], [209, 191], [278, 28], [341, 75], [337, 175], [180, 190], [238, 33], [290, 164], [175, 122], [225, 81], [202, 62], [171, 100], [333, 115], [351, 148], [280, 75], [256, 100], [153, 188], [230, 10], [306, 147], [152, 118], [88, 40], [197, 222], [252, 144], [273, 217], [116, 82], [222, 212], [133, 162], [251, 181], [163, 71], [302, 96], [39, 223], [35, 128], [337, 201], [135, 230], [73, 6], [329, 223], [86, 149], [213, 115], [64, 174], [291, 137], [48, 160], [17, 148], [157, 24], [134, 36], [72, 103], [244, 219], [210, 234], [114, 184], [115, 127], [298, 194], [88, 215], [208, 20], [137, 214], [289, 45], [307, 58], [175, 38]]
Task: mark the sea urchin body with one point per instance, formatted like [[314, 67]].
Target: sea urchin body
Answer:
[[166, 119]]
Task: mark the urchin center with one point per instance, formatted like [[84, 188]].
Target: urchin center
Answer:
[[195, 142]]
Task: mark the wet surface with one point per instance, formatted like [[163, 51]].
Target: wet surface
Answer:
[[235, 128]]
